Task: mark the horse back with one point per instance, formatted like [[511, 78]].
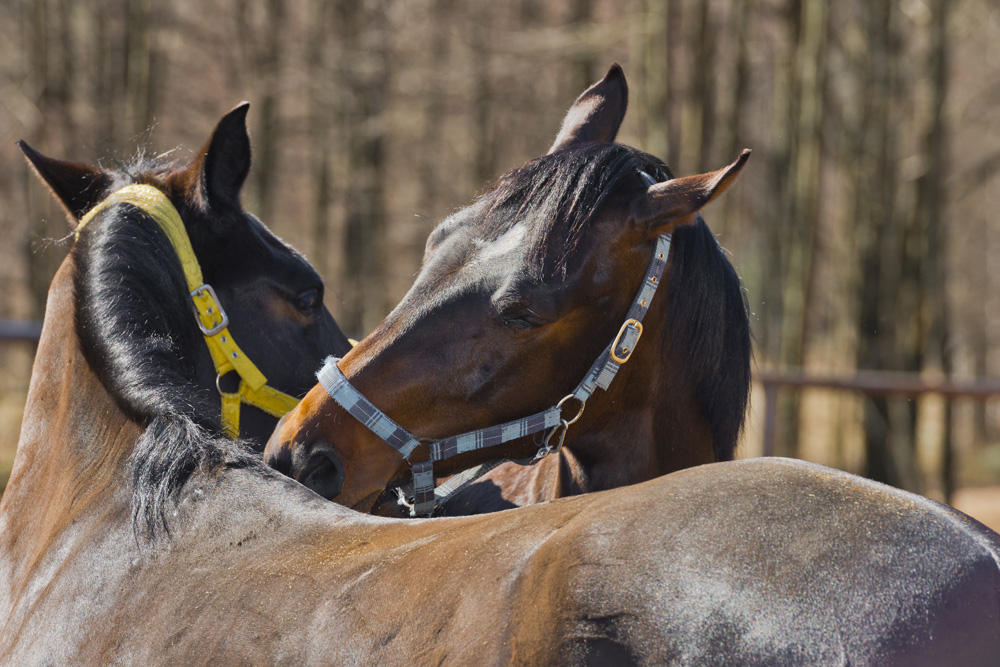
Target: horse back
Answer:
[[770, 562]]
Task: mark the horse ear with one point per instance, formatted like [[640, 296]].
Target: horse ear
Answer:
[[224, 162], [670, 204], [597, 113], [77, 187]]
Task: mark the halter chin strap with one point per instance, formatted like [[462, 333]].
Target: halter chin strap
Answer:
[[551, 420], [211, 318]]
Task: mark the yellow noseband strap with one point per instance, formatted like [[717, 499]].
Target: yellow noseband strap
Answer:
[[211, 318]]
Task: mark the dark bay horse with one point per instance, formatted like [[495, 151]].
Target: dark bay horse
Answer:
[[757, 562], [519, 293]]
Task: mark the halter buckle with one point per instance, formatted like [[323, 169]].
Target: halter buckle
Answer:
[[634, 325], [199, 292]]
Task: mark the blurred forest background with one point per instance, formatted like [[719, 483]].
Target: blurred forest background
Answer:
[[865, 228]]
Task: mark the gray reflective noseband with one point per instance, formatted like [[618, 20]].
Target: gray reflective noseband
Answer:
[[600, 375]]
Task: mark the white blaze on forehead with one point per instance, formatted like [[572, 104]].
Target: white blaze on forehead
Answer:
[[507, 245]]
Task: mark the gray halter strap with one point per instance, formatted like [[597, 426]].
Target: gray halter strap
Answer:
[[599, 376]]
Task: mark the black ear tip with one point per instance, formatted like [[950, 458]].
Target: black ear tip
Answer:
[[235, 119], [616, 78], [28, 151], [239, 112], [742, 159], [36, 159]]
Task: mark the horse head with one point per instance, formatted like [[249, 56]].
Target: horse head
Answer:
[[517, 296], [123, 302]]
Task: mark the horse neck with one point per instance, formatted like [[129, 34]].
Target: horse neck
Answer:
[[648, 423], [73, 446]]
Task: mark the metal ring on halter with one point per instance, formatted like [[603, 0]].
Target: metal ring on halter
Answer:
[[218, 384], [583, 405]]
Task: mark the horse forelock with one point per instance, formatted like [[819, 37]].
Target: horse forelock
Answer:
[[708, 325], [556, 196]]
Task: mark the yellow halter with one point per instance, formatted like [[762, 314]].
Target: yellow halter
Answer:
[[211, 318]]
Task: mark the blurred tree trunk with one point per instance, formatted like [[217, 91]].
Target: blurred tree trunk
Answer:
[[320, 133], [798, 183], [778, 234], [584, 65], [105, 80], [364, 34], [268, 91], [875, 177], [704, 87], [139, 82], [51, 63], [736, 139], [34, 17], [887, 272], [433, 107], [482, 102], [805, 188], [810, 265], [930, 207], [675, 107], [653, 21]]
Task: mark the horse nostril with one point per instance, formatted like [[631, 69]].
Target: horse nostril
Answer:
[[318, 467], [274, 451]]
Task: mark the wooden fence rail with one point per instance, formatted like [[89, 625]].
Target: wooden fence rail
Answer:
[[873, 383], [18, 331]]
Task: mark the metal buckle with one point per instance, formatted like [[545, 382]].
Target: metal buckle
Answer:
[[635, 324], [207, 289]]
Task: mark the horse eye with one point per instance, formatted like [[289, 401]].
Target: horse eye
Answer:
[[308, 300], [519, 320], [518, 323]]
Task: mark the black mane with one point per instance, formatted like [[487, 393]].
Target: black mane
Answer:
[[135, 326], [708, 317], [709, 323]]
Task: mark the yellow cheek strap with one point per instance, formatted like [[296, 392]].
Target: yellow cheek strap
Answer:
[[211, 318]]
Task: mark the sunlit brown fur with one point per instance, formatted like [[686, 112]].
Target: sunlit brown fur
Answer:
[[74, 443]]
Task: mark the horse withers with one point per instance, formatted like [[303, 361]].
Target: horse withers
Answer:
[[517, 297]]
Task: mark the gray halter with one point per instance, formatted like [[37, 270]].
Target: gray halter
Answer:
[[551, 420]]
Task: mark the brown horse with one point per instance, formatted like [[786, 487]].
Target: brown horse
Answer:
[[519, 293], [769, 562]]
